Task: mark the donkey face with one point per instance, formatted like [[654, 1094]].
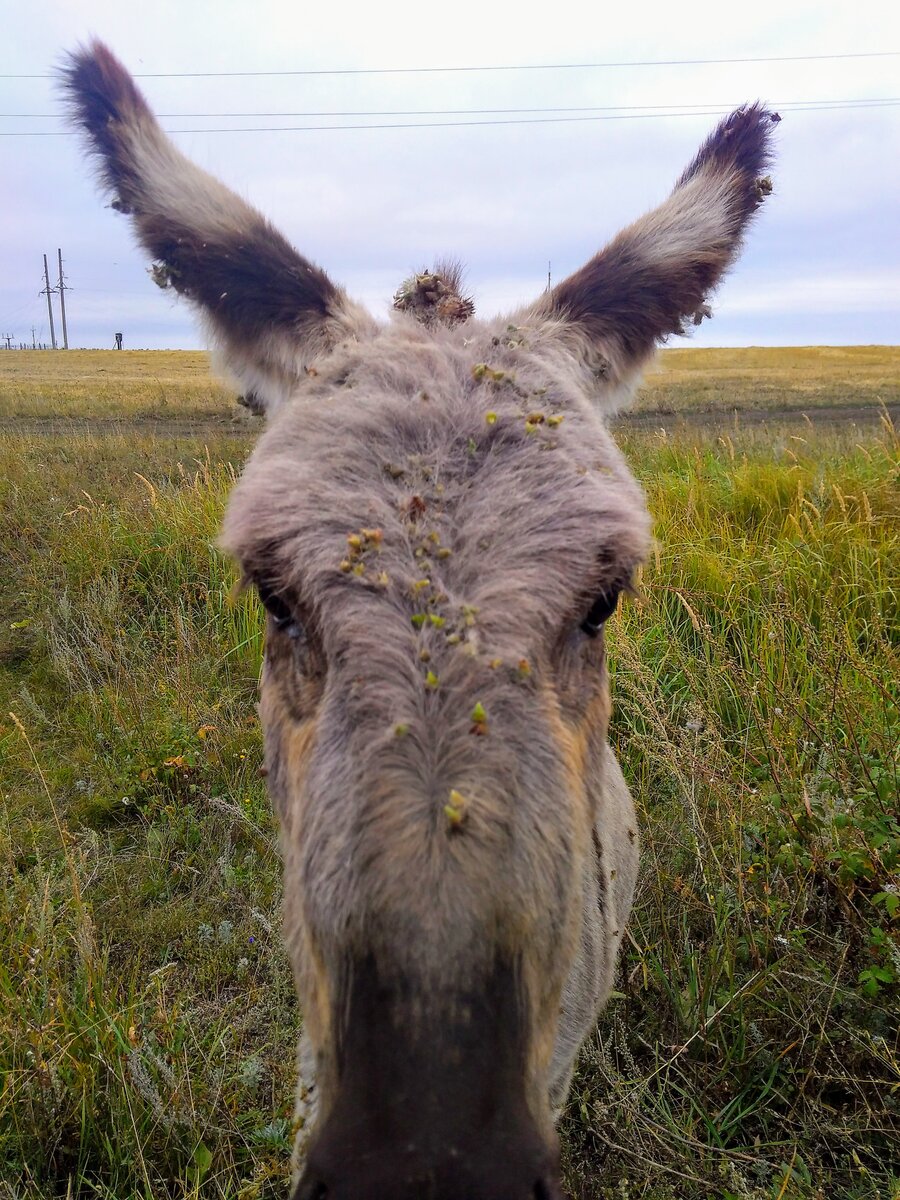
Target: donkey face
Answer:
[[438, 524]]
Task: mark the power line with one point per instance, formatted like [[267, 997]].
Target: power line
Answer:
[[448, 112], [665, 62], [716, 112]]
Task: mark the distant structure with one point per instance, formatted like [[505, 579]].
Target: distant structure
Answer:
[[119, 337], [48, 292], [62, 287]]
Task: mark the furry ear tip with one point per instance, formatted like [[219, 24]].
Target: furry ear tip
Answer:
[[88, 55]]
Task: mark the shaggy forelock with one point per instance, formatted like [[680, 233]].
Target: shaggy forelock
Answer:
[[404, 435]]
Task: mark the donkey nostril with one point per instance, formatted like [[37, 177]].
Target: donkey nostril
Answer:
[[313, 1191], [542, 1191]]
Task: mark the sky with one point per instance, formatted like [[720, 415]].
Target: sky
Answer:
[[821, 265]]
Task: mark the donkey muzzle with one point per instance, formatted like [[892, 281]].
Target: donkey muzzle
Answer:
[[431, 1101]]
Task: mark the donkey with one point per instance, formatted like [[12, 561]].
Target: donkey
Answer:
[[438, 524]]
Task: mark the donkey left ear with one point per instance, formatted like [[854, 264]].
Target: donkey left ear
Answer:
[[271, 311], [657, 274]]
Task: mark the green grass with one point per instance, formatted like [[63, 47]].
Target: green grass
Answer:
[[147, 1015]]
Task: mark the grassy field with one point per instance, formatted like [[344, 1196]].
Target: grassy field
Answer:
[[147, 1015]]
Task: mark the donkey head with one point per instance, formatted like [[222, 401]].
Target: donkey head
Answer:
[[438, 524]]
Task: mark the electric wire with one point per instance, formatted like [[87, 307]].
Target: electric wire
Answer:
[[716, 112], [664, 62], [447, 112]]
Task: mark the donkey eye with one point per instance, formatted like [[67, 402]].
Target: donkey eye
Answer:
[[279, 610], [599, 613]]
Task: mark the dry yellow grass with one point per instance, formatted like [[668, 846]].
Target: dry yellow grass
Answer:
[[178, 385], [779, 378], [174, 385]]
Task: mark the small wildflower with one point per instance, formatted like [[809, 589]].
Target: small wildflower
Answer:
[[556, 419], [436, 621], [418, 619], [431, 680], [401, 729], [491, 418]]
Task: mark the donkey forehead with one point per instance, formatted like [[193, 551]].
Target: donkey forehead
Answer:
[[421, 449]]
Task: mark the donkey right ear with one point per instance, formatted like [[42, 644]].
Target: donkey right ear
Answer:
[[270, 310], [656, 276]]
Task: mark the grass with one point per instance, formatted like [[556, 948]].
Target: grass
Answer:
[[147, 1015], [764, 381], [175, 386]]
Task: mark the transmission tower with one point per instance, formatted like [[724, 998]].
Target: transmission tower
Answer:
[[48, 292], [62, 288]]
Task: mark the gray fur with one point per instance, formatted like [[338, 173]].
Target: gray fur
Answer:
[[429, 516]]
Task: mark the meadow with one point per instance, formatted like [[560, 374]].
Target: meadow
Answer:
[[751, 1050]]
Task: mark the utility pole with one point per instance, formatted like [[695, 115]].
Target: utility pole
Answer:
[[62, 302], [33, 338], [8, 337], [549, 287], [49, 291]]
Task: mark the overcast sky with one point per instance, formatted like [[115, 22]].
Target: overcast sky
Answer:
[[370, 205]]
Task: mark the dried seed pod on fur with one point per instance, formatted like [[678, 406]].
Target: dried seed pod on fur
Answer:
[[456, 809]]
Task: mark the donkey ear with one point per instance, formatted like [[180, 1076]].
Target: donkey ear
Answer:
[[657, 274], [270, 310]]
